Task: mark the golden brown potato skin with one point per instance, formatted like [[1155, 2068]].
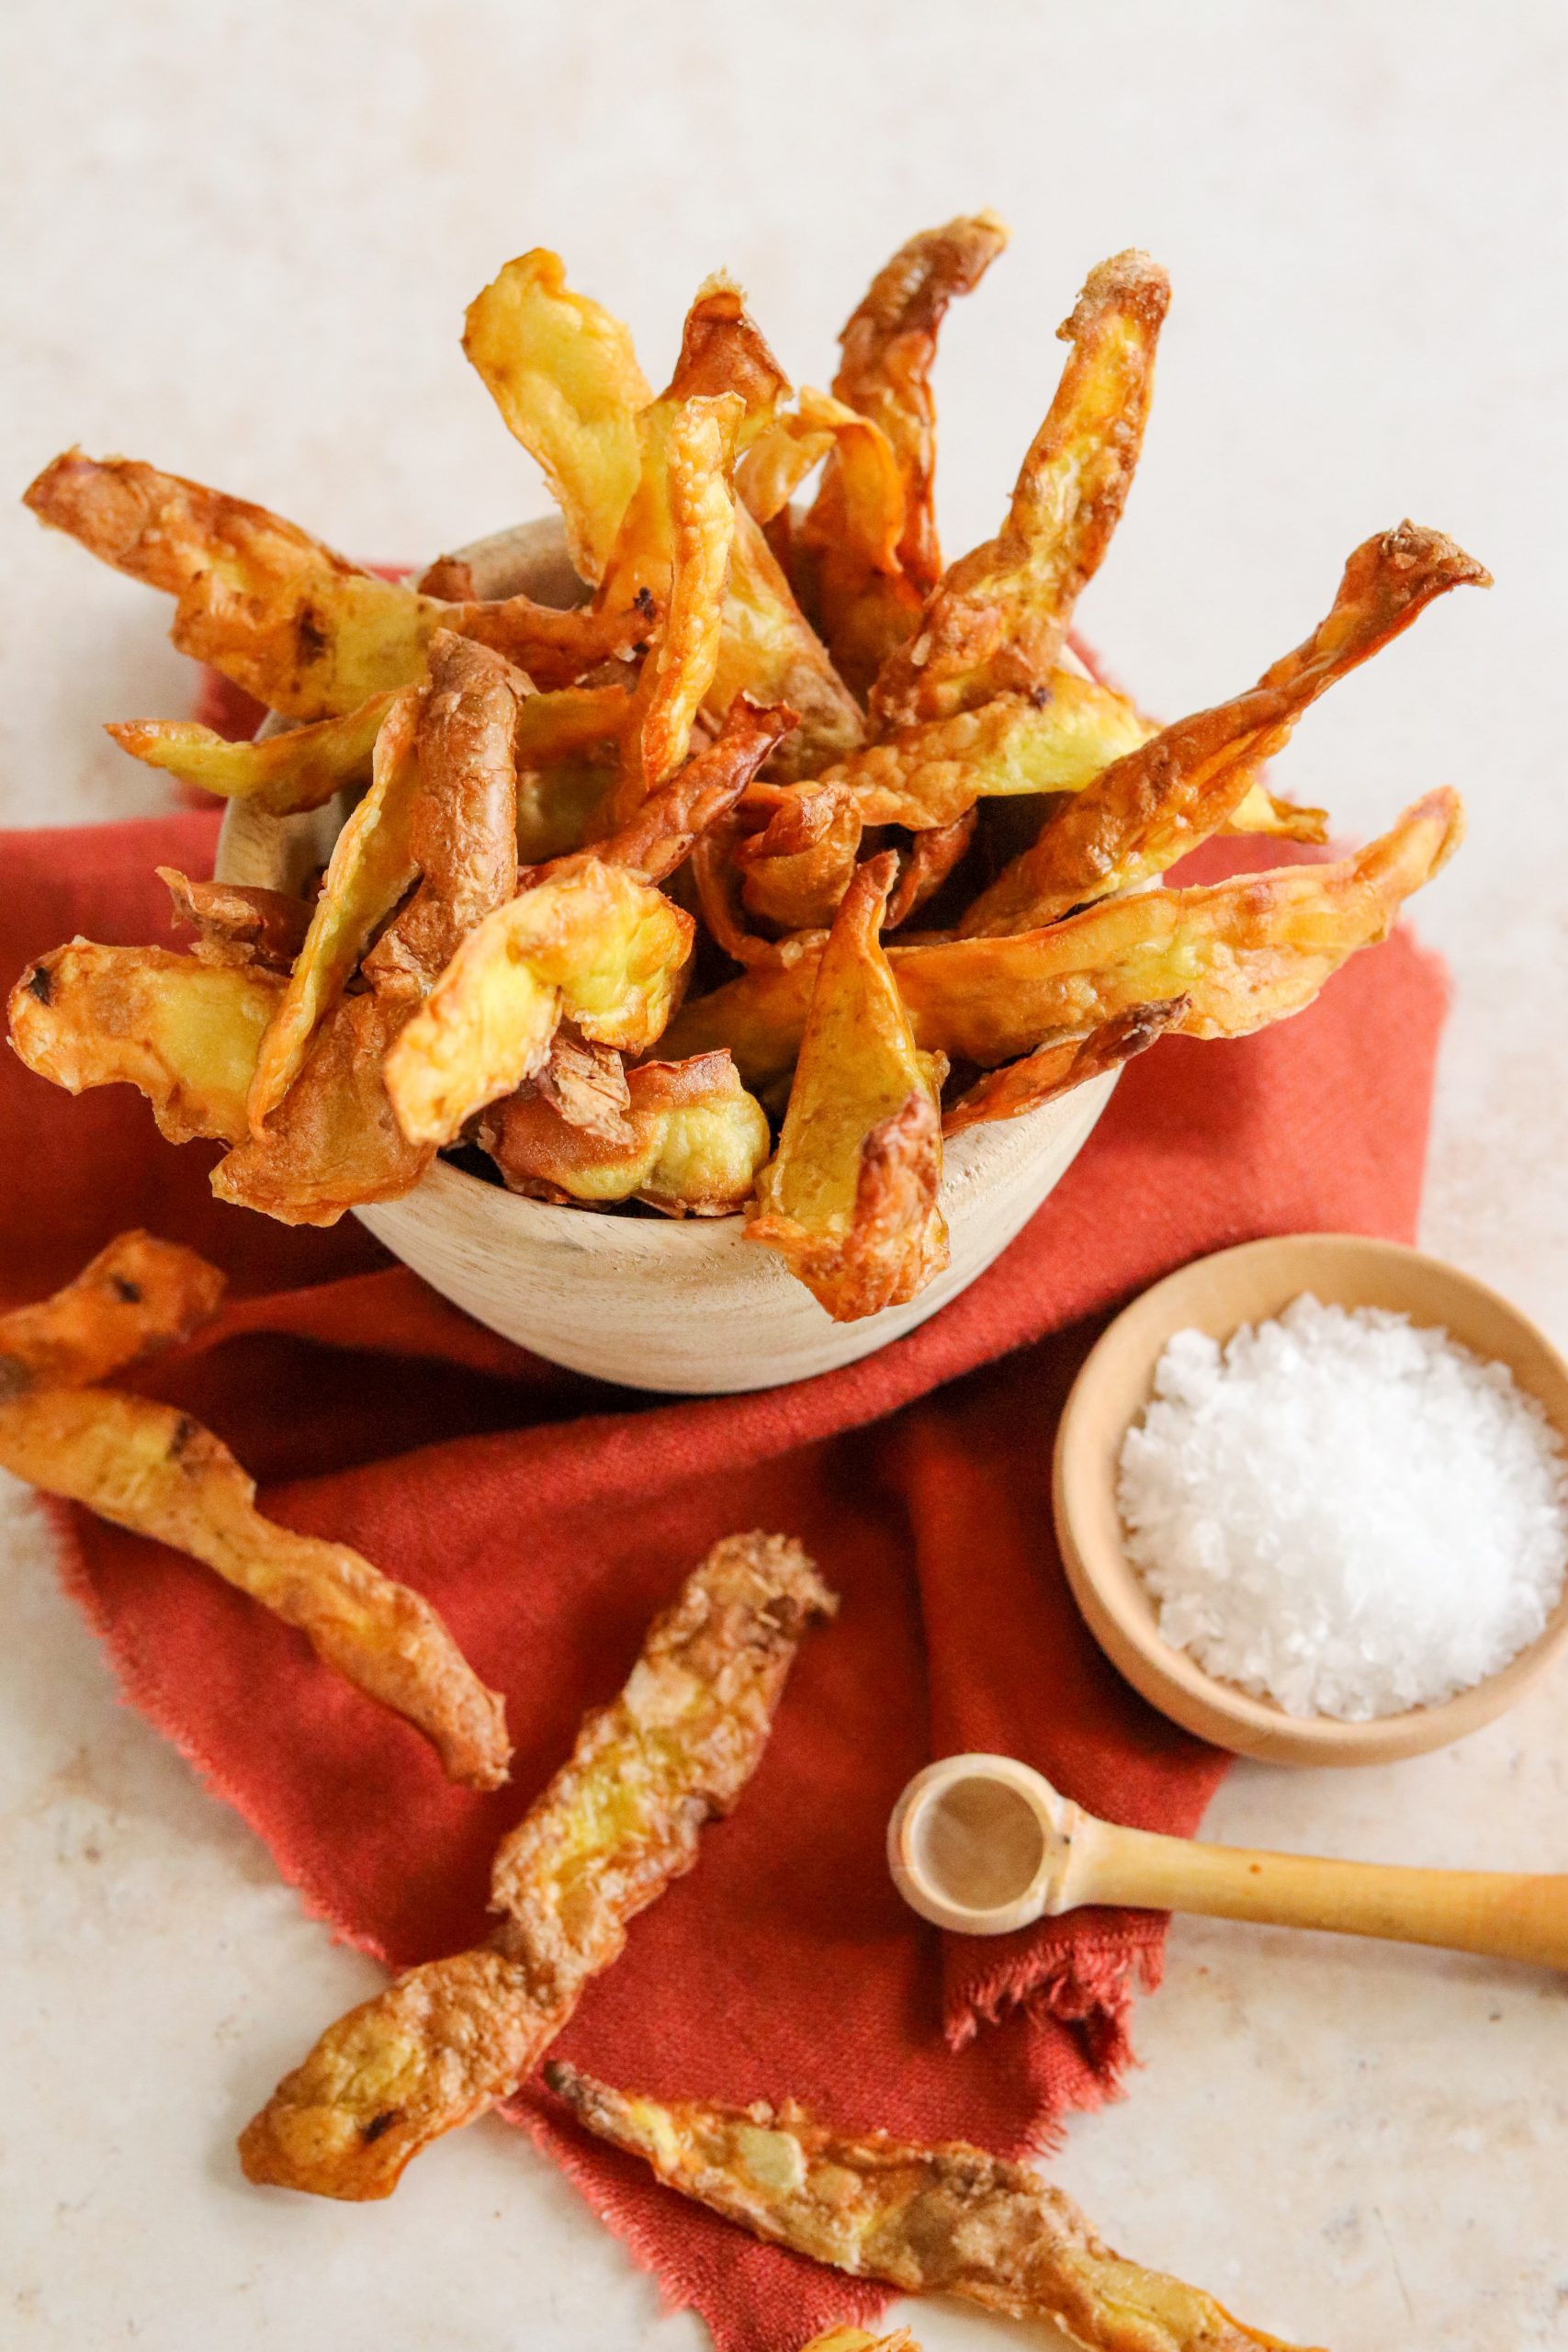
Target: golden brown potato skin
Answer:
[[238, 923], [156, 1471], [684, 1137], [617, 1825], [1054, 1071], [1152, 807], [948, 2220], [137, 1296], [997, 622], [1245, 953]]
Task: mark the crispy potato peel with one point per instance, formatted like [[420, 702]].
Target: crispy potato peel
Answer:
[[850, 1199], [686, 1139], [138, 1295], [617, 1825], [943, 2220]]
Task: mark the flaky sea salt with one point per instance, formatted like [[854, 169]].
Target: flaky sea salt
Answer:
[[1344, 1513]]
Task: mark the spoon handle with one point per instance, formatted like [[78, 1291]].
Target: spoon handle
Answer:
[[1514, 1916]]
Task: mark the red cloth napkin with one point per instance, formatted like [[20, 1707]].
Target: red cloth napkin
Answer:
[[548, 1517]]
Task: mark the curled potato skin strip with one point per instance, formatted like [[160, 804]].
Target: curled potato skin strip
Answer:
[[297, 625], [616, 1826], [184, 1032], [997, 620], [850, 1198], [888, 346], [688, 1139], [1052, 1070], [156, 1471], [662, 831], [371, 866], [678, 671], [564, 375], [950, 2219], [463, 817], [236, 923], [138, 1295], [1151, 807], [1245, 953], [300, 769], [597, 945]]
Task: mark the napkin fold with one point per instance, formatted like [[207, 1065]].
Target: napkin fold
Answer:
[[550, 1516]]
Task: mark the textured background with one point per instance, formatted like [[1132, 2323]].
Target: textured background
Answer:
[[239, 243]]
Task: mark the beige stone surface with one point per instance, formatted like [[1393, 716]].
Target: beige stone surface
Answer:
[[238, 241]]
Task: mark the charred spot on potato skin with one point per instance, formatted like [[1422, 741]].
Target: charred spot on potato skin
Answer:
[[643, 601], [310, 637], [126, 1289], [1040, 697], [40, 983], [184, 1431], [377, 2124]]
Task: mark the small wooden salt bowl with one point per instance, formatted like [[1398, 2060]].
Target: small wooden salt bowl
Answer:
[[1216, 1296], [689, 1304]]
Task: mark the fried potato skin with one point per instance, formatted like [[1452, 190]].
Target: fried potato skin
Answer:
[[1052, 1070], [997, 620], [1246, 953], [300, 769], [333, 1141], [850, 1198], [616, 1826], [678, 671], [1160, 802], [888, 345], [933, 857], [949, 2219], [237, 923], [664, 829], [138, 1295], [597, 945], [184, 1032], [156, 1471], [371, 866], [463, 819], [297, 625], [564, 375], [687, 1140], [855, 2340], [1059, 739], [795, 870]]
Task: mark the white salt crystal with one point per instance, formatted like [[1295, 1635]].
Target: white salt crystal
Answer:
[[1343, 1511]]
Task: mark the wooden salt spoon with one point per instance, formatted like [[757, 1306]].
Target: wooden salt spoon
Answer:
[[984, 1844]]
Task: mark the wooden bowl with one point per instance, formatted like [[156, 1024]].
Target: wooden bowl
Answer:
[[688, 1305], [1218, 1295]]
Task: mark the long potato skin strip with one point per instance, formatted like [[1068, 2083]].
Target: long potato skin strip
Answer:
[[597, 945], [855, 2340], [888, 345], [138, 1294], [616, 1826], [927, 866], [564, 375], [302, 768], [238, 923], [1246, 953], [371, 866], [850, 1199], [699, 451], [664, 829], [463, 820], [154, 1470], [688, 1140], [184, 1032], [1151, 807], [997, 620], [947, 2219], [1054, 1071], [843, 557], [1059, 740], [296, 625]]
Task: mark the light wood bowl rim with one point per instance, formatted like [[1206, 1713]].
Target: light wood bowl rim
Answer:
[[1258, 1278]]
